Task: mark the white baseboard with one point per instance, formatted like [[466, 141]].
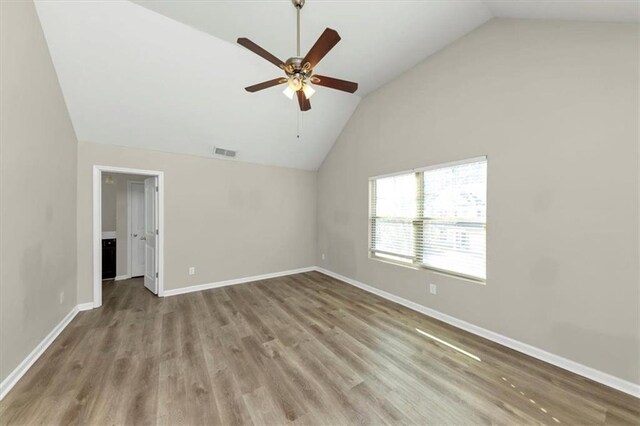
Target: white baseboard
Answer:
[[566, 364], [85, 306], [200, 287], [26, 363], [122, 277]]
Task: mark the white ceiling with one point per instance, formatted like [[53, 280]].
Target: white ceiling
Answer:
[[167, 75]]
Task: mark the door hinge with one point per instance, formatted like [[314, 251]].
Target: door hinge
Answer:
[[157, 232], [156, 189], [156, 275]]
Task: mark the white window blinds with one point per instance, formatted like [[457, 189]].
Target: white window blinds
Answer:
[[434, 218]]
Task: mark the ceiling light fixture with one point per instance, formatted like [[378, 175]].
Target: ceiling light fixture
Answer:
[[289, 92], [308, 90], [295, 82], [299, 70]]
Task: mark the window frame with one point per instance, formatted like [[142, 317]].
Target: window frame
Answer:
[[418, 221]]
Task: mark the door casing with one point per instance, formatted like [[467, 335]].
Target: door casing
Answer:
[[98, 171]]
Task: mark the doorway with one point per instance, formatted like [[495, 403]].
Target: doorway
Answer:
[[144, 231]]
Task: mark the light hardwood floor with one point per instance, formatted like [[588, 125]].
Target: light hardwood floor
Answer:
[[304, 349]]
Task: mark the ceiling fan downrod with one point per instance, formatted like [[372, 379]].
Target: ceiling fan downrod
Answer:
[[298, 4]]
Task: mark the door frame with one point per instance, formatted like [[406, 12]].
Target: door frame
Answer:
[[129, 241], [98, 171]]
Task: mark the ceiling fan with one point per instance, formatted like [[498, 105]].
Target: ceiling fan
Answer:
[[299, 70]]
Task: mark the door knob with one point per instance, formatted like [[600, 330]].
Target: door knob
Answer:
[[143, 238], [135, 235]]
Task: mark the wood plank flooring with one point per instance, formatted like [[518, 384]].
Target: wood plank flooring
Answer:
[[302, 349]]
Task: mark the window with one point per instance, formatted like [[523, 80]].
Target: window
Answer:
[[433, 218]]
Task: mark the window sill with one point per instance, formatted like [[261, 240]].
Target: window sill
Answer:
[[437, 271]]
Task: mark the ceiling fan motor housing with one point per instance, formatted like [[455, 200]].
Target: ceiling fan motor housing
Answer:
[[298, 3], [294, 66]]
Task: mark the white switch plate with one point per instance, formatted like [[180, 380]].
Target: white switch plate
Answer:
[[323, 256], [192, 270], [61, 297], [433, 289]]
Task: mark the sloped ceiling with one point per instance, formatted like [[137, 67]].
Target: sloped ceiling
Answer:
[[568, 10], [167, 75]]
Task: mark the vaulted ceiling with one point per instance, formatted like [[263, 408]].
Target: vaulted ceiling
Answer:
[[168, 75]]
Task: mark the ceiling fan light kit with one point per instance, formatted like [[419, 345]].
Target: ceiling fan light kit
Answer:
[[298, 69]]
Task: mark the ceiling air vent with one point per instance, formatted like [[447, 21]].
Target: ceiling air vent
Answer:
[[224, 152]]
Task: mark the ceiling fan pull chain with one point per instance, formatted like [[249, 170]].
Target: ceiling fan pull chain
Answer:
[[300, 125]]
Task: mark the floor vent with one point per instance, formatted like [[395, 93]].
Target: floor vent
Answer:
[[224, 152]]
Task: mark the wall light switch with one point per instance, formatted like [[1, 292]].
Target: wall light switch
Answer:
[[61, 297], [192, 270], [433, 289], [323, 256]]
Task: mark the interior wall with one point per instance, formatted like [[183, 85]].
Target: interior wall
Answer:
[[109, 221], [225, 218], [554, 106], [37, 190]]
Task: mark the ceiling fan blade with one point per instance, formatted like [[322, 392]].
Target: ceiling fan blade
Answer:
[[334, 83], [265, 84], [260, 51], [324, 44], [305, 105]]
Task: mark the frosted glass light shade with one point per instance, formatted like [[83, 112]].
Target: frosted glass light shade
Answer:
[[289, 92], [308, 91]]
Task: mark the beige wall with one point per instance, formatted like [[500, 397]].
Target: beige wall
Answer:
[[37, 190], [109, 191], [554, 106], [226, 218]]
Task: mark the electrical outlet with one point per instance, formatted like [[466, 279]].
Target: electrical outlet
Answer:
[[323, 256], [433, 289], [192, 270], [61, 297]]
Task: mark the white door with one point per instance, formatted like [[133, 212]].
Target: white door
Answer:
[[136, 210], [150, 234]]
